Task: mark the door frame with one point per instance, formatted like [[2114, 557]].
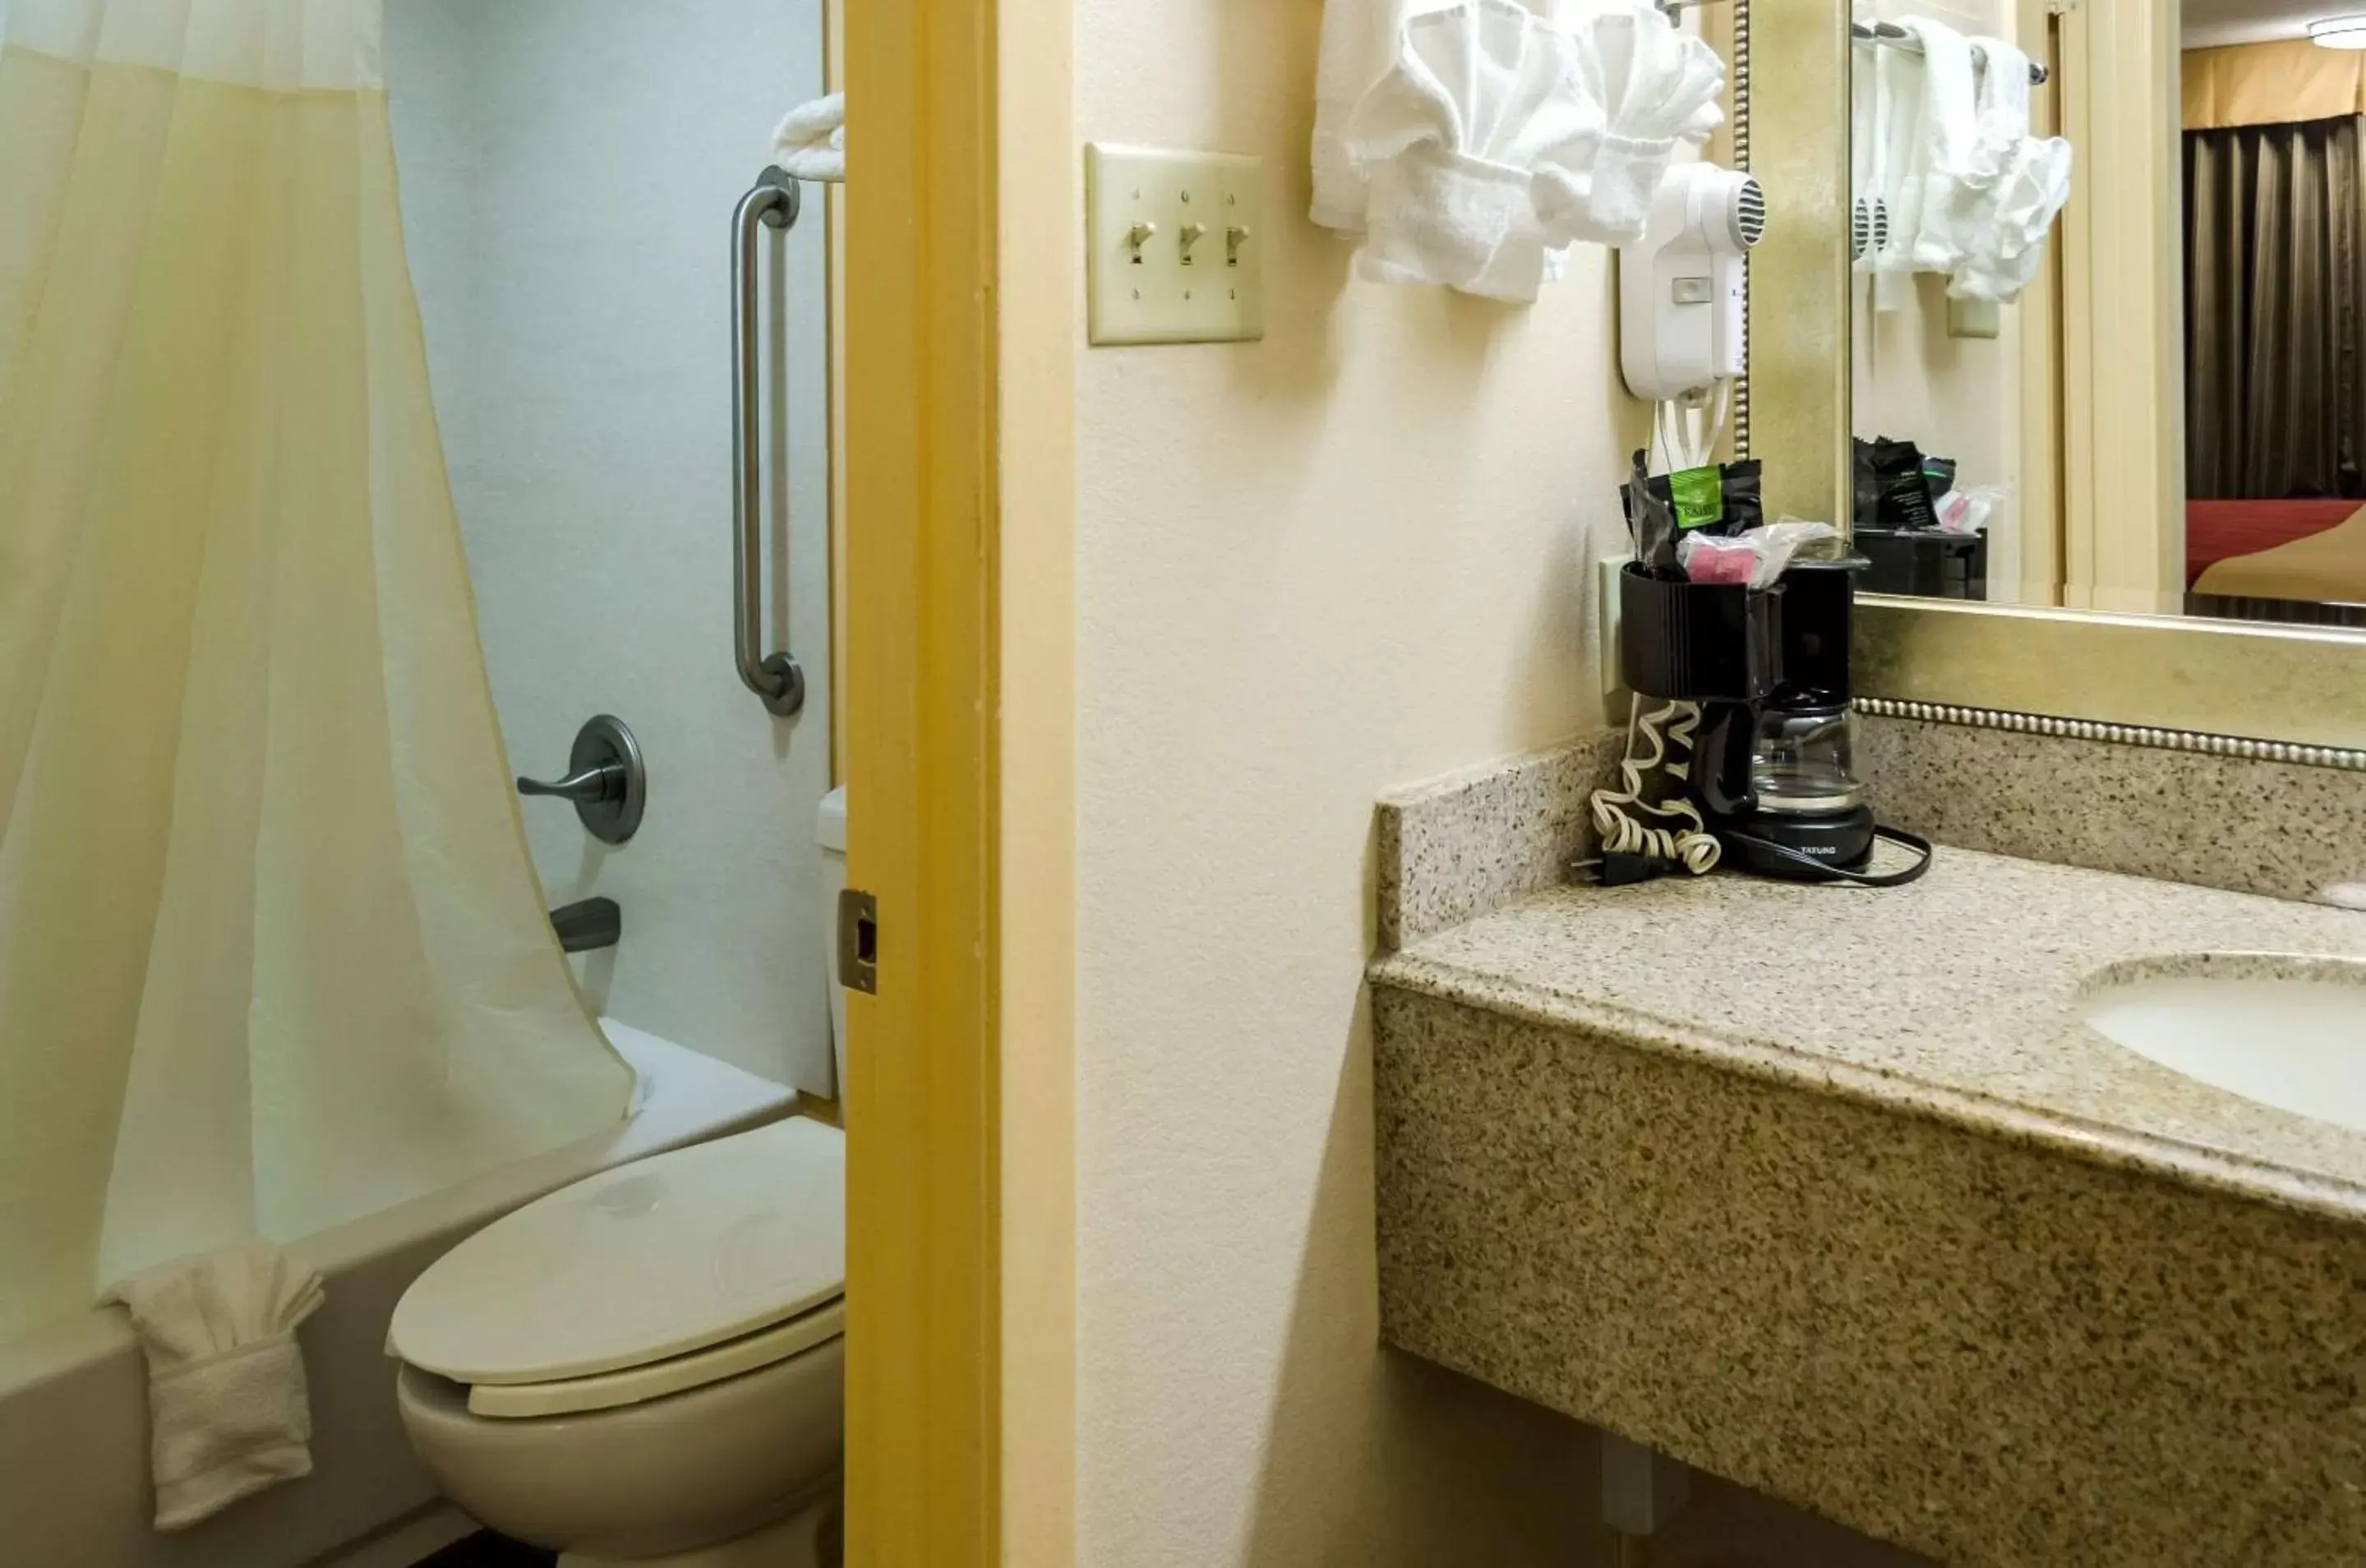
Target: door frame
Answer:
[[2122, 263], [960, 632], [2044, 340]]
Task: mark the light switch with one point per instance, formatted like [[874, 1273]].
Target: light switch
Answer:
[[1176, 245]]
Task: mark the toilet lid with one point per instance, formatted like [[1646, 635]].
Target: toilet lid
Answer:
[[649, 1261], [675, 1374]]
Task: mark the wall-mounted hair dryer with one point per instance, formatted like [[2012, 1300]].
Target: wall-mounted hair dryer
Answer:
[[1680, 287]]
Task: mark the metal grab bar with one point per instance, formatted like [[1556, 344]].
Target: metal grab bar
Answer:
[[776, 678]]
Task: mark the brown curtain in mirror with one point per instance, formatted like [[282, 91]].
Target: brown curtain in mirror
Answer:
[[2275, 250]]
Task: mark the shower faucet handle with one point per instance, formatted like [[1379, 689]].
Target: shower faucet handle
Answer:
[[605, 782], [605, 778]]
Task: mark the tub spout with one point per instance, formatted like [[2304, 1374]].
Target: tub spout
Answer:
[[594, 924]]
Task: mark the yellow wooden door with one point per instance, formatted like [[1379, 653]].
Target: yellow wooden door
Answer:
[[957, 539]]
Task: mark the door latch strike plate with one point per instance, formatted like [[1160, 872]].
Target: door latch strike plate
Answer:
[[858, 942]]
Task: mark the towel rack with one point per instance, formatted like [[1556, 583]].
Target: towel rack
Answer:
[[776, 678], [1889, 35]]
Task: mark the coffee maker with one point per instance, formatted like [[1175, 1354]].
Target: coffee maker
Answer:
[[1774, 769]]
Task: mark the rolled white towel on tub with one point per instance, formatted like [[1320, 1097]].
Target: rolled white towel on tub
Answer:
[[228, 1411], [811, 142]]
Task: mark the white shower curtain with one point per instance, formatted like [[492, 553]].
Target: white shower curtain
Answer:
[[271, 952]]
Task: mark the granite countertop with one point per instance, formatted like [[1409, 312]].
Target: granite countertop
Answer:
[[1954, 998]]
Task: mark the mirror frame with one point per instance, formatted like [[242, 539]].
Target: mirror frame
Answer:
[[2119, 265]]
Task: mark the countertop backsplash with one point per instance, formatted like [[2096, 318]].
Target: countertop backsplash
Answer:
[[1458, 847], [2279, 828]]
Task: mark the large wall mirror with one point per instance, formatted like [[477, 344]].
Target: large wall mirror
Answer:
[[2098, 267]]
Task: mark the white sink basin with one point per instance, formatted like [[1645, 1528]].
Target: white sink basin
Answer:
[[2286, 1032]]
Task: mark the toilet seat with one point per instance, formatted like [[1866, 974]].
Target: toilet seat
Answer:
[[667, 1274], [676, 1374]]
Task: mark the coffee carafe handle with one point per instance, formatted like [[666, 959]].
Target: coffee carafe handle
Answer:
[[1722, 757]]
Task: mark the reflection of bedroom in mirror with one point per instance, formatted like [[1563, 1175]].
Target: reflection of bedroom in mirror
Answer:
[[2005, 451]]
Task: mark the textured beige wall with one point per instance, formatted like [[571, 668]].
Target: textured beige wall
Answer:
[[1036, 931], [1348, 557], [1955, 398], [1345, 558]]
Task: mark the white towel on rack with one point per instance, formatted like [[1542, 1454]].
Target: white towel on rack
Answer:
[[1896, 187], [228, 1411], [811, 142], [1494, 133], [1647, 88], [2003, 123], [1360, 39], [2013, 185], [1961, 215], [1941, 154], [2034, 190], [1361, 42], [1449, 141]]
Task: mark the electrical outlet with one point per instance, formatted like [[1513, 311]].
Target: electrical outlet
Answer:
[[1176, 245], [1974, 318], [1611, 620]]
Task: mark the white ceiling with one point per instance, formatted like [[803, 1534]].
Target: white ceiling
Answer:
[[2209, 23]]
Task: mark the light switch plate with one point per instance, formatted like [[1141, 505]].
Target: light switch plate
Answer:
[[1176, 245]]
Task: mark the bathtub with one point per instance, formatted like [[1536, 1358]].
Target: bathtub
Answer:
[[73, 1401]]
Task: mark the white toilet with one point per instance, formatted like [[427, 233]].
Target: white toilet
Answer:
[[648, 1367]]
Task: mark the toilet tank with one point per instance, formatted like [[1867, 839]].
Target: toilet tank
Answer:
[[831, 830]]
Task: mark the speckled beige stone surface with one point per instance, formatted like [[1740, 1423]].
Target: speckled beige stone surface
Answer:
[[2268, 827], [1831, 1193], [1457, 847], [1975, 1346], [1957, 998]]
